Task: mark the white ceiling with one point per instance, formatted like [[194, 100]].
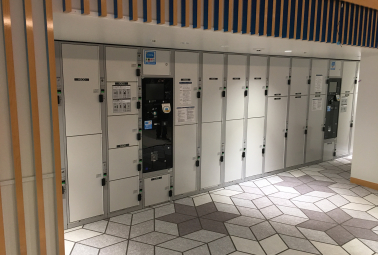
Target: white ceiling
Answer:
[[76, 27]]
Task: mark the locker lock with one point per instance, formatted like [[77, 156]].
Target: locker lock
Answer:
[[170, 193], [305, 131], [139, 136], [101, 98], [197, 163], [137, 72], [221, 158], [139, 167], [263, 150], [223, 93], [139, 197], [243, 154], [103, 182], [138, 105], [245, 93], [198, 94], [286, 134]]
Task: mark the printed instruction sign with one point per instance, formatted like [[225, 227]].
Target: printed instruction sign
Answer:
[[317, 104], [150, 57], [121, 94], [318, 83], [185, 93], [185, 114]]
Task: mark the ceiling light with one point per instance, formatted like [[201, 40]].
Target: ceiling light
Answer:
[[288, 50]]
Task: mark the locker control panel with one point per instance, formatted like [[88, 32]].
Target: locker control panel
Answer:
[[157, 122], [332, 109]]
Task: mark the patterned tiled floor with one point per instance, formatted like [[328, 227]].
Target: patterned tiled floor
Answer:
[[312, 210]]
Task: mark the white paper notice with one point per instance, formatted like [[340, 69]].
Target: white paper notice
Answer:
[[185, 114], [185, 93], [317, 104], [318, 83]]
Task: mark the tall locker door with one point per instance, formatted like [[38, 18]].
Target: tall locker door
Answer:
[[279, 72], [186, 87], [185, 170], [319, 73], [257, 84], [275, 133], [296, 130], [315, 134], [234, 150], [210, 154], [300, 74], [255, 140], [121, 64], [236, 79], [81, 72], [212, 87], [349, 77], [343, 129], [84, 154]]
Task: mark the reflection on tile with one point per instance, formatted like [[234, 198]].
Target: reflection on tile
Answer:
[[80, 249], [154, 238], [68, 245], [372, 198], [245, 245], [222, 246], [79, 235], [180, 244], [357, 200], [240, 231], [371, 244], [221, 199], [299, 244], [136, 248], [98, 226], [356, 247], [338, 200], [102, 241], [374, 212], [357, 207], [116, 249], [273, 245], [325, 205], [227, 208], [123, 219], [328, 249], [119, 230], [204, 236]]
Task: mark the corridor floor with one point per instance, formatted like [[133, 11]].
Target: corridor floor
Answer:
[[311, 210]]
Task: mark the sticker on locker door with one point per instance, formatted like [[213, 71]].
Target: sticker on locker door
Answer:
[[317, 104], [318, 83], [185, 93], [150, 57], [147, 124], [166, 108], [185, 114], [333, 65]]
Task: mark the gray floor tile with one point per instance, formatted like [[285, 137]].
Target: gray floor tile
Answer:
[[299, 244], [371, 244], [235, 188], [319, 216], [339, 215], [206, 209], [247, 196], [227, 208], [142, 217], [282, 201], [102, 241], [362, 233], [166, 227], [163, 251], [154, 238], [185, 201], [220, 216], [338, 200], [288, 219], [320, 183], [291, 179], [123, 219], [317, 225], [318, 236], [273, 245], [286, 229], [180, 244], [262, 202], [321, 188], [243, 202], [340, 235], [306, 179], [240, 231], [116, 249], [136, 248], [204, 236], [202, 250], [186, 209], [263, 230], [119, 230], [189, 226], [358, 223], [222, 246], [250, 212], [289, 184], [303, 189], [252, 190], [214, 226], [142, 228], [98, 226], [80, 249], [164, 210], [270, 211], [360, 191], [245, 245], [245, 221], [176, 218]]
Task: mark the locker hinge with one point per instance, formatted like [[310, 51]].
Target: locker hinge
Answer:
[[137, 73], [288, 82], [263, 151], [243, 154], [103, 182], [101, 98], [223, 93], [139, 197], [221, 158], [198, 94], [170, 193], [245, 93], [197, 163], [138, 105], [139, 167], [139, 136]]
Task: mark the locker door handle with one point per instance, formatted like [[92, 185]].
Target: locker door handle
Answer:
[[355, 81], [263, 151], [221, 158], [170, 193], [197, 163], [139, 167], [351, 125], [137, 72], [63, 190], [309, 81], [223, 93], [286, 135], [101, 98], [288, 82], [138, 105], [198, 94], [245, 93], [323, 129], [103, 182], [266, 92], [58, 100], [334, 153], [243, 154], [139, 136], [139, 197], [305, 132]]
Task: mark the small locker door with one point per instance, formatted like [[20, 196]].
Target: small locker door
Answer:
[[275, 133], [236, 79], [123, 162], [255, 140], [84, 154], [156, 189], [234, 150], [122, 131], [349, 77], [186, 87], [300, 74], [123, 193], [257, 84], [213, 69], [319, 73], [279, 72], [210, 154], [296, 130], [315, 124], [185, 170], [121, 64], [343, 129], [81, 72]]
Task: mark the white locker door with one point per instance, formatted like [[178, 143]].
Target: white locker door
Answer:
[[300, 73], [315, 134], [275, 133], [329, 148], [156, 62], [210, 154], [156, 189], [343, 129], [115, 106], [185, 156], [123, 193], [213, 69], [186, 87], [335, 68], [255, 140], [279, 72], [236, 79], [349, 77], [234, 150], [84, 155], [319, 73], [81, 73], [122, 131], [121, 64], [123, 162], [296, 130], [257, 84]]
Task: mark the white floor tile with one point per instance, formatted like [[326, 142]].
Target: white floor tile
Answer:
[[313, 173], [359, 215], [320, 194], [322, 178], [284, 195], [292, 211], [294, 252], [325, 205], [357, 200], [308, 199], [307, 206], [357, 207], [374, 212], [79, 235], [356, 247], [318, 236], [344, 191], [221, 199], [273, 245], [274, 179], [269, 189], [328, 249], [338, 200], [261, 183], [372, 199], [245, 245], [68, 245], [287, 189], [72, 229], [226, 192], [203, 199], [297, 173]]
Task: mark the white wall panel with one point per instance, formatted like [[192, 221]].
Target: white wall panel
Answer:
[[319, 74], [296, 128], [344, 129], [122, 130], [212, 87], [185, 157], [300, 73], [234, 148], [123, 193], [349, 77], [31, 221], [210, 154], [121, 64], [236, 81], [50, 214], [279, 71], [162, 66], [123, 162], [275, 133], [257, 84], [8, 199], [255, 140]]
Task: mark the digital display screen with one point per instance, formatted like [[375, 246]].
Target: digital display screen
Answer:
[[155, 91], [332, 87]]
